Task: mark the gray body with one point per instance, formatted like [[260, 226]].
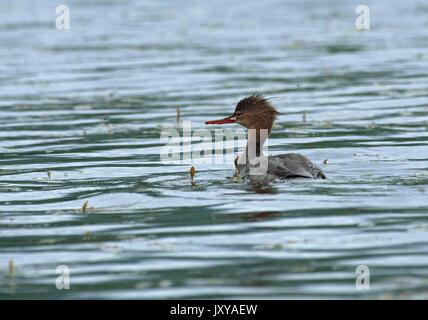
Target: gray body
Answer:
[[284, 166]]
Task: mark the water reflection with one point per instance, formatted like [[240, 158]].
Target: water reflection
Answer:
[[262, 188], [263, 214]]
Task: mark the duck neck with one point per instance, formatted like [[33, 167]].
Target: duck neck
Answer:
[[255, 142]]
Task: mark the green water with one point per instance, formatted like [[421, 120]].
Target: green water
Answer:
[[89, 105]]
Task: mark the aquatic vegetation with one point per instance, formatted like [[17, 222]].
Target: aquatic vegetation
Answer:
[[192, 175], [85, 206]]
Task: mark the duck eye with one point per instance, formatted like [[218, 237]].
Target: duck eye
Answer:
[[238, 114]]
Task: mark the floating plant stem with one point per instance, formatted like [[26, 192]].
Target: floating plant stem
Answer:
[[85, 207], [236, 166], [11, 268], [236, 177], [178, 117], [192, 174]]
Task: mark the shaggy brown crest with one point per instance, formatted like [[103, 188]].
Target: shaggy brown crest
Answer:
[[255, 112]]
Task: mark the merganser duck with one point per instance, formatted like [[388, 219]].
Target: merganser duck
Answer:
[[258, 116]]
